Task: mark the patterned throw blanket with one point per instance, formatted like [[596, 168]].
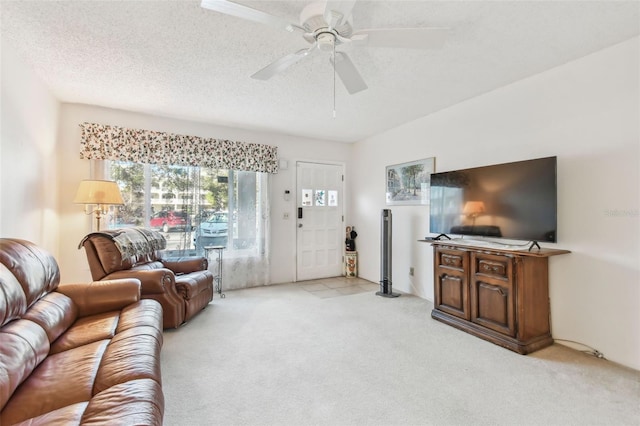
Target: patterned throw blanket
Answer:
[[133, 241]]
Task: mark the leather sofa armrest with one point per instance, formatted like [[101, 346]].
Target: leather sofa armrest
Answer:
[[102, 296], [186, 265], [152, 281]]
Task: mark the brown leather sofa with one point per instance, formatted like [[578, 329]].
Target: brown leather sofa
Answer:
[[75, 353], [183, 286]]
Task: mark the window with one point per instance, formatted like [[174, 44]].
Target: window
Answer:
[[180, 200], [193, 207]]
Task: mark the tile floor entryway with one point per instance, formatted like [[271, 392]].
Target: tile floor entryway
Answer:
[[338, 286]]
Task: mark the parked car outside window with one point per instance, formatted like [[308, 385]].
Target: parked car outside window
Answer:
[[169, 220], [213, 232]]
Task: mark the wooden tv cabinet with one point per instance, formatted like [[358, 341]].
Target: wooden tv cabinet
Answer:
[[498, 295]]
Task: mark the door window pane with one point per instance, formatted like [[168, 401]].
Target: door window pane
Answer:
[[333, 198], [307, 197]]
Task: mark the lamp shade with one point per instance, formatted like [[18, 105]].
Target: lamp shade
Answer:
[[473, 208], [98, 192]]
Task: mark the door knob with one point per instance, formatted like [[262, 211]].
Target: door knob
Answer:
[[299, 225]]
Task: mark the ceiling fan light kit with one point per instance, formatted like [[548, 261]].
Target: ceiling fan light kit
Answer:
[[326, 41], [327, 25]]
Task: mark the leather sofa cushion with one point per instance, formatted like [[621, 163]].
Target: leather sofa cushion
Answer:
[[128, 359], [87, 330], [61, 379], [13, 302], [33, 268], [106, 325], [137, 402], [117, 368], [24, 345], [69, 415], [55, 312], [142, 313]]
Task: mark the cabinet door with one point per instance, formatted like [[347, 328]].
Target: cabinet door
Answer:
[[492, 292], [451, 283]]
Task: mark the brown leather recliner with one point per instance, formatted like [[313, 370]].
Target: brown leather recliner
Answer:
[[183, 286]]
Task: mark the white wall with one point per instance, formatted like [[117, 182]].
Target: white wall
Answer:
[[74, 224], [29, 121], [587, 114]]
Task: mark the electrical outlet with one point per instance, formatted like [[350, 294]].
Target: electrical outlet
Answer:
[[411, 271], [285, 215]]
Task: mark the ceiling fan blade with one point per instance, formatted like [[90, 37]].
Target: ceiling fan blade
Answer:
[[337, 12], [410, 38], [282, 64], [248, 13], [349, 74]]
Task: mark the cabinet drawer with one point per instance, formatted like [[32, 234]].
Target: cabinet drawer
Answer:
[[455, 259], [492, 266], [488, 267], [451, 260]]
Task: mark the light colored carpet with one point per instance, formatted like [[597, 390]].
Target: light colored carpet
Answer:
[[310, 354]]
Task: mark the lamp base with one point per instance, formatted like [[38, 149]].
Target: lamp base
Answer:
[[98, 216]]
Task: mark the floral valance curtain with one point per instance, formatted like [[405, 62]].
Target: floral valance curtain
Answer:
[[104, 142]]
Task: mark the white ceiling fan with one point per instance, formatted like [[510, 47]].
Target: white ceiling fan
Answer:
[[327, 26]]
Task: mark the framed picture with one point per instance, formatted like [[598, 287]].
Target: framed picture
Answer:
[[408, 183]]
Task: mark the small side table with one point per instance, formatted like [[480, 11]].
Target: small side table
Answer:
[[217, 278]]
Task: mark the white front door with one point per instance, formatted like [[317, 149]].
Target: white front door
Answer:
[[320, 237]]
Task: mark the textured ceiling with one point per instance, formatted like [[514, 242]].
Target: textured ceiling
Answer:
[[176, 59]]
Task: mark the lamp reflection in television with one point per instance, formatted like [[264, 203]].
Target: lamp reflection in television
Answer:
[[473, 209]]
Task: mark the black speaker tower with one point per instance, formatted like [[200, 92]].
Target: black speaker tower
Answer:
[[385, 255]]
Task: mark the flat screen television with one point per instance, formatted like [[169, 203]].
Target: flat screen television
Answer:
[[512, 200]]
